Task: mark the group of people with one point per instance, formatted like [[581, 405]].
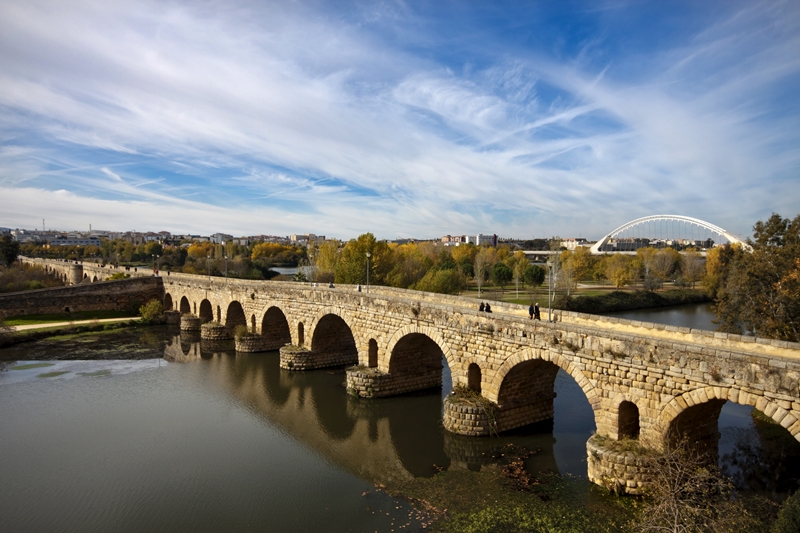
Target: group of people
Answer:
[[485, 307], [533, 311]]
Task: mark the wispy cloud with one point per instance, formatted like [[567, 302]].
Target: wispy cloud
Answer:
[[283, 118]]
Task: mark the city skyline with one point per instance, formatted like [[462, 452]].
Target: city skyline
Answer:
[[405, 120]]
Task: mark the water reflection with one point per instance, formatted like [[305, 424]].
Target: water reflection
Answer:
[[381, 440]]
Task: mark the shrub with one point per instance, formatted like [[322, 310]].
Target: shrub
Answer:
[[152, 311], [241, 331], [119, 275], [789, 515]]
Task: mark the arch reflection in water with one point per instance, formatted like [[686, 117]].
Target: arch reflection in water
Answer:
[[387, 439]]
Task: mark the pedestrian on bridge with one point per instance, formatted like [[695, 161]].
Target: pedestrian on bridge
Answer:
[[536, 314], [481, 308], [530, 312]]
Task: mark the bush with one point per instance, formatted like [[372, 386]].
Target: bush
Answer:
[[241, 331], [152, 311], [118, 275], [789, 516]]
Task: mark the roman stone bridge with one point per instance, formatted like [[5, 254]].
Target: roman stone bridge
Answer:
[[643, 381]]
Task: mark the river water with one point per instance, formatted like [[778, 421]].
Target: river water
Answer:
[[146, 429]]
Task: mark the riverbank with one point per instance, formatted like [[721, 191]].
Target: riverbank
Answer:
[[628, 301], [16, 335]]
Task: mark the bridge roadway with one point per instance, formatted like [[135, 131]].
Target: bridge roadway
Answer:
[[644, 381]]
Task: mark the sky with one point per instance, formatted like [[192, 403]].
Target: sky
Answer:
[[405, 119]]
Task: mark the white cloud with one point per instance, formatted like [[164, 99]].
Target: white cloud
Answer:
[[273, 115]]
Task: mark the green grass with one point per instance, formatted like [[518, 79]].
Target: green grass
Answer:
[[31, 365], [52, 374], [24, 320], [97, 373]]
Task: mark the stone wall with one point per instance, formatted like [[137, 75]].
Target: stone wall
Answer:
[[120, 295], [620, 471]]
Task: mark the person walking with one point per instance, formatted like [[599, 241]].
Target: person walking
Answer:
[[530, 312], [536, 314], [488, 308], [481, 308]]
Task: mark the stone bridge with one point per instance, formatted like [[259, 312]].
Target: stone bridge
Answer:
[[644, 381]]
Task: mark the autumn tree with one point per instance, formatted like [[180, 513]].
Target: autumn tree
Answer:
[[758, 295], [618, 270], [352, 265], [692, 266]]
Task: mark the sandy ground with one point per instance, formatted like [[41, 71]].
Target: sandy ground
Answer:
[[71, 323]]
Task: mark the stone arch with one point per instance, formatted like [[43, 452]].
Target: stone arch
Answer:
[[94, 279], [333, 341], [563, 363], [234, 316], [627, 420], [435, 336], [474, 377], [275, 329], [372, 354], [524, 388], [718, 396], [167, 302], [206, 311], [415, 363], [185, 306]]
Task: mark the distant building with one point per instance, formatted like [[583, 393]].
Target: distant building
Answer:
[[482, 238], [220, 238], [572, 243], [450, 240]]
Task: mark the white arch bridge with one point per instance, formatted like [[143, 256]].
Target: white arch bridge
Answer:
[[597, 248]]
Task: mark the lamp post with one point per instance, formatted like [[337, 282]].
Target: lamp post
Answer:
[[549, 291], [154, 263], [226, 268], [368, 255], [208, 266]]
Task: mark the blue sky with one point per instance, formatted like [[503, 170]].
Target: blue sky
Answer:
[[525, 119]]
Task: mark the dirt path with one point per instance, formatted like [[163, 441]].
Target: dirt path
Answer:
[[70, 323]]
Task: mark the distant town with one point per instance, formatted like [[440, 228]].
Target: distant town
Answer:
[[52, 238]]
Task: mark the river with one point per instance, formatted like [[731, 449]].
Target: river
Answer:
[[145, 429]]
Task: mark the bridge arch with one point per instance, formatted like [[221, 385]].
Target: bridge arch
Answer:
[[333, 339], [234, 316], [699, 406], [185, 306], [510, 388], [167, 302], [384, 362], [206, 313], [275, 328], [597, 248]]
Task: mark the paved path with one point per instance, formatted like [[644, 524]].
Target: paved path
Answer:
[[71, 323]]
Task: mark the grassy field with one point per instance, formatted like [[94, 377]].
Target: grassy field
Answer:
[[25, 320]]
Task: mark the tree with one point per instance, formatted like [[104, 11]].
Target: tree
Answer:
[[352, 265], [9, 249], [618, 269], [664, 262], [758, 293], [534, 275], [692, 266], [481, 263], [501, 275]]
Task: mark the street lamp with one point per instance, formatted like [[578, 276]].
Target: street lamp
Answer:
[[549, 291], [368, 255], [208, 266], [226, 268]]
